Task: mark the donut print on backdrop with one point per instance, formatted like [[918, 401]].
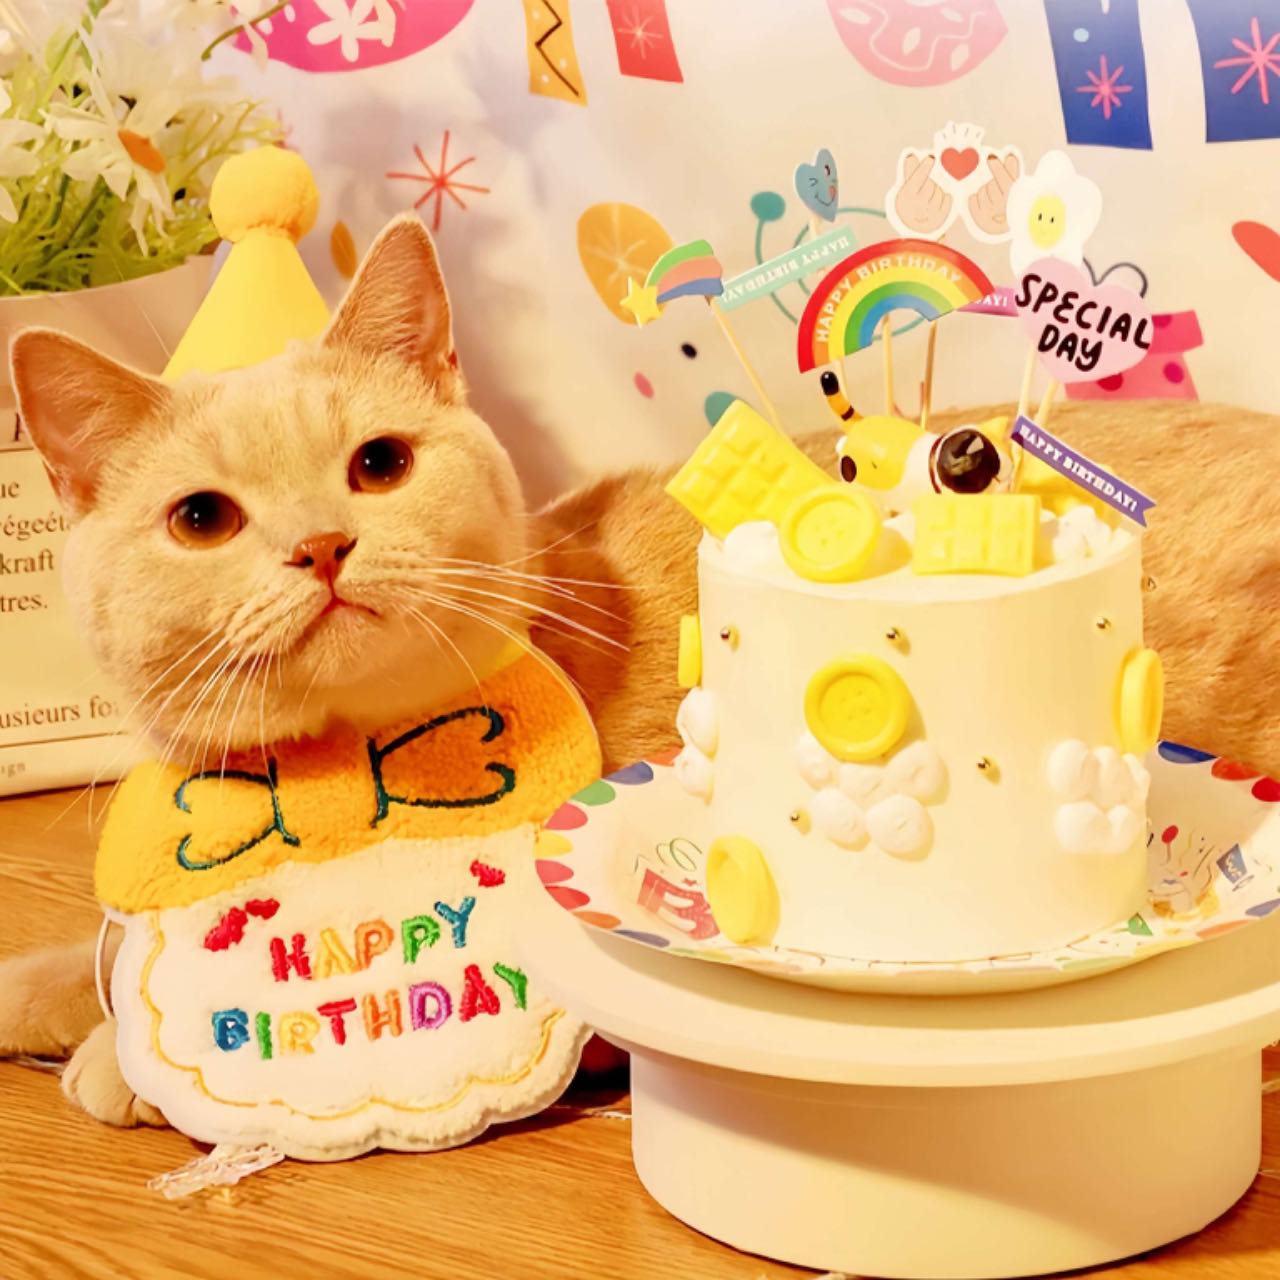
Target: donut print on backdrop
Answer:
[[343, 35], [909, 43]]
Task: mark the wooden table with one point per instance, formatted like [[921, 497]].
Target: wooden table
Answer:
[[555, 1197]]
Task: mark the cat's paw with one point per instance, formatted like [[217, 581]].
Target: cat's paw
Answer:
[[93, 1082], [47, 1001]]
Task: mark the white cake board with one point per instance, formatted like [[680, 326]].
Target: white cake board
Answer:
[[943, 1138]]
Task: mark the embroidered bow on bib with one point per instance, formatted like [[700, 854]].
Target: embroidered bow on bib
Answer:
[[318, 945]]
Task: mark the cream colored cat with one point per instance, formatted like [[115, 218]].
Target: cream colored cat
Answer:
[[209, 615]]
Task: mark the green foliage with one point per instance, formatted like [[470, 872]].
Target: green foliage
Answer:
[[70, 229]]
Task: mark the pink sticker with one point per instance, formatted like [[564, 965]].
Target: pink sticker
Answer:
[[1082, 331], [342, 35], [905, 42]]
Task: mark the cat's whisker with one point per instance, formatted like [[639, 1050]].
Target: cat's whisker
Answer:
[[128, 740], [247, 683], [262, 703], [439, 633], [529, 582], [145, 730], [550, 613], [521, 618], [520, 641], [533, 577], [551, 546], [222, 682]]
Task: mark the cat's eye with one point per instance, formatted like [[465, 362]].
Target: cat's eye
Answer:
[[205, 519], [379, 465]]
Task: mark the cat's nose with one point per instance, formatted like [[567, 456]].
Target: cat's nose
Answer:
[[324, 553]]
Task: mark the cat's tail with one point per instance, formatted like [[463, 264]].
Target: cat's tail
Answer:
[[48, 1001]]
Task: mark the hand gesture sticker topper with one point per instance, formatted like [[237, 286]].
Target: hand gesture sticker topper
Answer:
[[958, 178]]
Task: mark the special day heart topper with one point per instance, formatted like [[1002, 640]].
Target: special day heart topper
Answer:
[[1082, 331], [958, 177]]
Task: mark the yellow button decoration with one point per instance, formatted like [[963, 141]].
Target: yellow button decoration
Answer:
[[830, 535], [740, 891], [976, 533], [689, 661], [857, 707], [745, 469], [1140, 701]]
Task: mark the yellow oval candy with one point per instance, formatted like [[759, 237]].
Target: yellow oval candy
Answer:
[[1140, 701], [689, 660], [740, 891], [829, 534], [857, 707]]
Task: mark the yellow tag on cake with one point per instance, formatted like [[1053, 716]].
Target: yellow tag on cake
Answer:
[[745, 469], [319, 944], [975, 533]]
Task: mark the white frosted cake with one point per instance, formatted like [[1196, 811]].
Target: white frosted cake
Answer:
[[919, 738]]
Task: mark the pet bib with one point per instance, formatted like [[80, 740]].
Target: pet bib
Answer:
[[319, 940]]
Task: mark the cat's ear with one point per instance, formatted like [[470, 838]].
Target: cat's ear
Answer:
[[77, 406], [398, 305]]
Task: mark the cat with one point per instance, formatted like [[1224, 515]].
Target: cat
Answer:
[[601, 575]]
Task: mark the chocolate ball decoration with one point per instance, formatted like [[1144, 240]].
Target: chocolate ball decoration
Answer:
[[965, 461]]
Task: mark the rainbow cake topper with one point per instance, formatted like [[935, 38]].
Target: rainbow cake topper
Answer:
[[688, 270], [685, 271], [855, 296]]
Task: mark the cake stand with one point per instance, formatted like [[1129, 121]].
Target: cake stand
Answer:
[[934, 1138]]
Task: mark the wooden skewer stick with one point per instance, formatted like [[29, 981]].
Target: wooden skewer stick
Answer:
[[1024, 397], [887, 338], [926, 396], [1046, 404], [732, 339]]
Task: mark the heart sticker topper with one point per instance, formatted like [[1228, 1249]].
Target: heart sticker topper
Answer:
[[958, 177], [1082, 331], [818, 186]]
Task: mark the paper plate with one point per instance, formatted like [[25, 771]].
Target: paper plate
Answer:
[[621, 858]]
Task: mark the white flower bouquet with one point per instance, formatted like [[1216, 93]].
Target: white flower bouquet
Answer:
[[110, 134]]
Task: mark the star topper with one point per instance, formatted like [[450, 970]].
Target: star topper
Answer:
[[641, 301]]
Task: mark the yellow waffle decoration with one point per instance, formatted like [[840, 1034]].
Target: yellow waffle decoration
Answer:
[[976, 533], [745, 469]]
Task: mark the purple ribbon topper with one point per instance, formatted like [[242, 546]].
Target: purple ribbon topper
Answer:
[[1081, 471]]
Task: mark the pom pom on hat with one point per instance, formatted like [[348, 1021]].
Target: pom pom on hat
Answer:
[[268, 188], [263, 201]]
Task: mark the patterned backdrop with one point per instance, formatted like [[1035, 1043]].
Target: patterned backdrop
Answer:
[[556, 147]]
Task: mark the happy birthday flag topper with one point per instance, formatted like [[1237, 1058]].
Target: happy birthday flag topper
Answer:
[[958, 177], [768, 277], [818, 186], [1086, 473]]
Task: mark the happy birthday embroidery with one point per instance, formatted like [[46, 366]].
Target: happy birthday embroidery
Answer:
[[425, 1005]]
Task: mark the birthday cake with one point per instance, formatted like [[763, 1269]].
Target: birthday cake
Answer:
[[920, 736]]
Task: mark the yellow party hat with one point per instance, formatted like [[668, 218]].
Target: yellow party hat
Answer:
[[263, 201]]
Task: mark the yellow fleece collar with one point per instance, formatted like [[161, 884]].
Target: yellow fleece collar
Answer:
[[507, 752]]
